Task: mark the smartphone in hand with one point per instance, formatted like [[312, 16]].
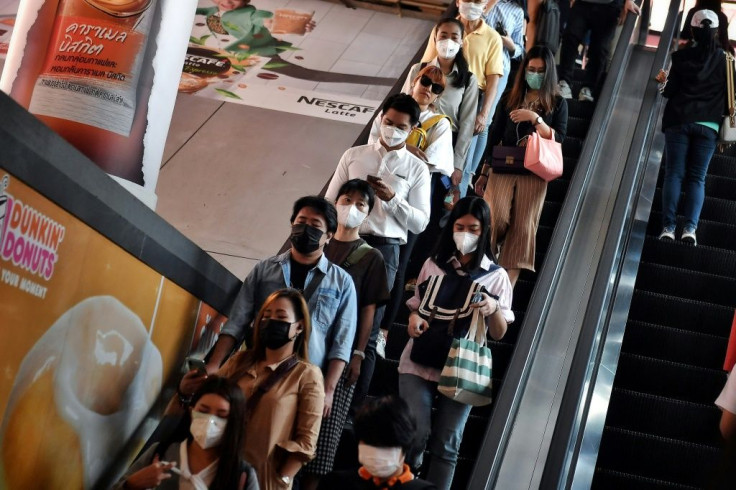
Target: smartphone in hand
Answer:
[[194, 363]]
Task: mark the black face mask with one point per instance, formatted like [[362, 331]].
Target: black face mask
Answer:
[[305, 238], [275, 333]]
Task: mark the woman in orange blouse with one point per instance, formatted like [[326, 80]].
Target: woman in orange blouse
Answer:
[[283, 423]]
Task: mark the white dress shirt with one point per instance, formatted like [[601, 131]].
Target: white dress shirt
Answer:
[[407, 176], [439, 142]]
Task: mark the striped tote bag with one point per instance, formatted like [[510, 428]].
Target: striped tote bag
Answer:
[[466, 377]]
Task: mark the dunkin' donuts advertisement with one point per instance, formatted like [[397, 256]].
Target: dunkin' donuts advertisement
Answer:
[[8, 11], [90, 336], [307, 57]]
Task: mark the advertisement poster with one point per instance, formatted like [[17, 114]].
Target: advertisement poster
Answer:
[[8, 11], [90, 336], [301, 56]]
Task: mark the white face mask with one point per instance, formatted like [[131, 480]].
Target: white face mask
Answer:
[[471, 11], [349, 215], [381, 462], [207, 429], [465, 242], [447, 48], [392, 135]]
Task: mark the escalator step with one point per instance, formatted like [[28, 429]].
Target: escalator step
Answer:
[[715, 186], [701, 258], [682, 283], [578, 127], [681, 313], [550, 212], [557, 189], [501, 352], [522, 293], [615, 480], [582, 110], [722, 165], [714, 209], [544, 235], [568, 166], [715, 234], [571, 146], [657, 458], [664, 417], [674, 345], [669, 379]]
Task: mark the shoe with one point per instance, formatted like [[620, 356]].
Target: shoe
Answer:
[[668, 233], [565, 91], [585, 95], [688, 236], [381, 345]]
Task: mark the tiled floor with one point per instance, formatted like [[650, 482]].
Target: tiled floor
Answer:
[[231, 172]]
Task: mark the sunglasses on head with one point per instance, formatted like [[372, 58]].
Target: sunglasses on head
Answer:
[[427, 82]]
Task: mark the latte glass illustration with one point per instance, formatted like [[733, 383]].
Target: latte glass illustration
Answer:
[[288, 21], [79, 395], [121, 8]]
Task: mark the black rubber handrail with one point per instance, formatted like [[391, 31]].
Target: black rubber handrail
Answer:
[[509, 397], [566, 441]]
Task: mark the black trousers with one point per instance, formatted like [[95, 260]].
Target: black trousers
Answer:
[[601, 21]]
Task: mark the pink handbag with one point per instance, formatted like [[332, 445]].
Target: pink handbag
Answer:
[[543, 156]]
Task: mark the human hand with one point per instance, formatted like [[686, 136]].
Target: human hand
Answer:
[[522, 115], [487, 306], [417, 152], [417, 325], [151, 476], [191, 382], [354, 369], [329, 397], [480, 185], [383, 191], [457, 177], [661, 76], [310, 26], [480, 123], [629, 6]]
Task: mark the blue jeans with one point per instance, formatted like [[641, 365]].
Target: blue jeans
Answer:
[[689, 148], [478, 143], [443, 438]]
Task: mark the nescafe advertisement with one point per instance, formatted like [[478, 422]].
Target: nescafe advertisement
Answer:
[[205, 62]]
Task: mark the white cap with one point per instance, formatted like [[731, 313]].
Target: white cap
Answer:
[[702, 15]]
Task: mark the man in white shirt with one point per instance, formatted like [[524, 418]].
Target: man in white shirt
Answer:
[[401, 182]]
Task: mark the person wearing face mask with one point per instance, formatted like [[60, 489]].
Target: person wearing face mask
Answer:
[[284, 390], [328, 290], [205, 452], [399, 179], [385, 429], [366, 266], [483, 48], [463, 250], [516, 200], [459, 99]]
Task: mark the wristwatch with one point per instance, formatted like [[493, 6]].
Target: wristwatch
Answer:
[[286, 479], [538, 120]]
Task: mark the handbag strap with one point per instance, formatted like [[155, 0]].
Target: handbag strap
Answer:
[[477, 330], [276, 376], [730, 89], [310, 288]]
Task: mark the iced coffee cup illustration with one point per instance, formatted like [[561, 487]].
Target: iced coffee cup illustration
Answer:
[[288, 21], [121, 8], [79, 395]]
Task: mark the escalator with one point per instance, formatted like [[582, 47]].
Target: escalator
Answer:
[[661, 430]]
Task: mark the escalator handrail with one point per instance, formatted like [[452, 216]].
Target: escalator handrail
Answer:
[[566, 441], [509, 397]]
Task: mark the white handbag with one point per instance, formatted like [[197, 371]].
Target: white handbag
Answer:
[[728, 128]]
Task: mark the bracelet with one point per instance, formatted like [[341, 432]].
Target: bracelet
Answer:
[[184, 400], [359, 353], [485, 170]]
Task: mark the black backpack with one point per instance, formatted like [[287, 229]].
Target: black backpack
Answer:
[[548, 26]]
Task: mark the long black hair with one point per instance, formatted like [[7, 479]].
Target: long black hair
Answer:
[[446, 248], [463, 71], [228, 468], [549, 90]]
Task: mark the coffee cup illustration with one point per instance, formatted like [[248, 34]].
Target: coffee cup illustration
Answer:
[[289, 21], [121, 8]]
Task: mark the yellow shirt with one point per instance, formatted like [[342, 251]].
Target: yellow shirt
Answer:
[[483, 50]]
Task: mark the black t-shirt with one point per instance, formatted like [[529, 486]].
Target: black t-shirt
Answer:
[[369, 275], [299, 273]]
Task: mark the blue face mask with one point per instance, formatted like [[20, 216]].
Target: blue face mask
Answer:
[[534, 80]]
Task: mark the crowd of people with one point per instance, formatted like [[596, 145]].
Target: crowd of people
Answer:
[[410, 209]]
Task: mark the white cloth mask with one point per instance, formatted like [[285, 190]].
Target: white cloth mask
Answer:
[[381, 462], [471, 11], [349, 215], [207, 429], [465, 242], [447, 48], [392, 135]]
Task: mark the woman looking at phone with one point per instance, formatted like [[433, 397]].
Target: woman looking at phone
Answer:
[[282, 423], [463, 249]]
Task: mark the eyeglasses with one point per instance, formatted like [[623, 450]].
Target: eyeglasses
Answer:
[[436, 89]]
